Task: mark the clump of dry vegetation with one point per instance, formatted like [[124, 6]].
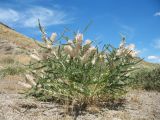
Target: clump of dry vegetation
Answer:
[[11, 70], [10, 66]]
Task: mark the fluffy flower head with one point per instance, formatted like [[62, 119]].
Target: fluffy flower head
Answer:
[[53, 36], [79, 38], [88, 42]]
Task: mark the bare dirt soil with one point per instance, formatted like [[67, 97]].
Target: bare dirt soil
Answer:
[[139, 105]]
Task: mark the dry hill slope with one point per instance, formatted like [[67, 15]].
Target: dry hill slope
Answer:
[[10, 40], [13, 53]]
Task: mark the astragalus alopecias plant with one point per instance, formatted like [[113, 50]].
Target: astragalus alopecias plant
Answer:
[[78, 72]]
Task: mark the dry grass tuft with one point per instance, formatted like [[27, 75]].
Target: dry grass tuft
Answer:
[[23, 59]]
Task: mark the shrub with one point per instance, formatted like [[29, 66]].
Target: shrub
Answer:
[[11, 70], [148, 79], [79, 73]]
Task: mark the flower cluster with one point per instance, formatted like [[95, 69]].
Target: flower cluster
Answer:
[[126, 49], [76, 49], [47, 45], [30, 81]]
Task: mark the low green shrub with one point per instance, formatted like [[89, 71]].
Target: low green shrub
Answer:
[[11, 70], [148, 79], [79, 73]]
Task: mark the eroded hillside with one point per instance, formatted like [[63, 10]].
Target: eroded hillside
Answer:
[[11, 41]]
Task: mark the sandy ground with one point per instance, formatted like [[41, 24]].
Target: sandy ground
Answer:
[[139, 105]]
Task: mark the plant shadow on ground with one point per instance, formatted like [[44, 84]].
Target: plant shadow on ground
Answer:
[[83, 109], [115, 105], [75, 110]]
